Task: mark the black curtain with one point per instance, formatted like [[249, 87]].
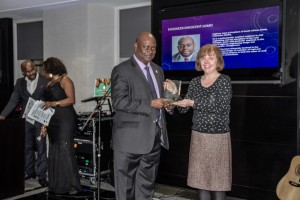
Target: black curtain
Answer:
[[6, 60]]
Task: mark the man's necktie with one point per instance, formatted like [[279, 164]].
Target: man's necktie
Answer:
[[151, 84], [186, 59]]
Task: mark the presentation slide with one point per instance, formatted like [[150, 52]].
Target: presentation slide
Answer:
[[249, 39]]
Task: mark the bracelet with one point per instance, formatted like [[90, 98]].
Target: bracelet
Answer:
[[57, 103]]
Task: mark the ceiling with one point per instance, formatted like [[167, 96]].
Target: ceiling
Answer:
[[31, 9]]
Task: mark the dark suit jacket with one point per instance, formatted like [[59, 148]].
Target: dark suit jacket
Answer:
[[21, 95], [176, 57], [134, 120]]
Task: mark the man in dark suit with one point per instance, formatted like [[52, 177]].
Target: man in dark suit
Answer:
[[31, 85], [139, 128], [186, 50]]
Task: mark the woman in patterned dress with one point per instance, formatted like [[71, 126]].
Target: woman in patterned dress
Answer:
[[209, 95]]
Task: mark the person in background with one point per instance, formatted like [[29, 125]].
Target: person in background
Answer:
[[210, 149], [31, 85], [186, 50], [139, 128], [60, 95]]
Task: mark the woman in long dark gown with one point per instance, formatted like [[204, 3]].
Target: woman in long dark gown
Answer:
[[60, 94]]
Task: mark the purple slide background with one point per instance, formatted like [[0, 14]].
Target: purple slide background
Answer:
[[264, 18]]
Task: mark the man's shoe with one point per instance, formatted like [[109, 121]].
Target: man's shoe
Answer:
[[43, 182]]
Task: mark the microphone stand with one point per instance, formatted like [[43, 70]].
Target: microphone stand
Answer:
[[98, 108]]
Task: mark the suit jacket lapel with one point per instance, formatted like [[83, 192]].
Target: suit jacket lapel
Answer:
[[139, 71], [158, 78], [141, 75], [144, 79], [24, 85], [39, 86]]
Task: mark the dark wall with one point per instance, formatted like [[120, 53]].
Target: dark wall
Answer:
[[30, 40], [132, 21], [6, 60], [264, 128]]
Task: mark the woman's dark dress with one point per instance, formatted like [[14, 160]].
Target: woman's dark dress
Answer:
[[62, 168]]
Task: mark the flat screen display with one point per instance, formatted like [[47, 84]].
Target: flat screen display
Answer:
[[250, 40]]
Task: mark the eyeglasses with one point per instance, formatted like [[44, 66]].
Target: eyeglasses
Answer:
[[185, 45]]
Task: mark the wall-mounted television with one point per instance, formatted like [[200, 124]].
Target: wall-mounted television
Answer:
[[250, 34]]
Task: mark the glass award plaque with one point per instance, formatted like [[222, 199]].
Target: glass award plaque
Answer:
[[172, 89]]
